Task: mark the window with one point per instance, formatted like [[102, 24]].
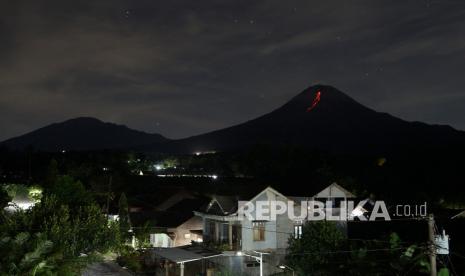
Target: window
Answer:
[[258, 230], [187, 236], [298, 231], [252, 264]]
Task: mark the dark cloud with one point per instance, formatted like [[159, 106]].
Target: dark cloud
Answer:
[[185, 67]]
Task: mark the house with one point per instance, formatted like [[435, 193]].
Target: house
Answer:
[[175, 225], [219, 221], [181, 225], [225, 227]]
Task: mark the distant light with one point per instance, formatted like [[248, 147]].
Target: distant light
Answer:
[[381, 161], [63, 151], [197, 153], [21, 205], [214, 176], [158, 167], [24, 205], [105, 169], [35, 192], [282, 267], [113, 217], [141, 173]]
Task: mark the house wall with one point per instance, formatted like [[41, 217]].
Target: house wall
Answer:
[[248, 243], [194, 223], [276, 232], [160, 240], [284, 229], [331, 192]]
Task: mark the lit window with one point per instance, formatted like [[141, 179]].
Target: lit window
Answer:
[[187, 236], [258, 230], [298, 231]]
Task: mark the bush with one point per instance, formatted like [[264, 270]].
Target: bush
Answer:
[[131, 260]]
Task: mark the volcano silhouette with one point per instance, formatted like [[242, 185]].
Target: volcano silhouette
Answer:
[[336, 123]]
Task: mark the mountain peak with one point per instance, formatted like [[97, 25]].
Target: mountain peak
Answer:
[[323, 95], [83, 119], [320, 99], [322, 117]]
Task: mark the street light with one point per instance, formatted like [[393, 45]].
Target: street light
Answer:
[[258, 259], [284, 267]]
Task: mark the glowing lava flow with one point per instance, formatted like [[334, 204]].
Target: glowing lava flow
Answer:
[[315, 101]]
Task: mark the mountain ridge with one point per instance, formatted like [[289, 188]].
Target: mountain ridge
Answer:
[[82, 133], [320, 117]]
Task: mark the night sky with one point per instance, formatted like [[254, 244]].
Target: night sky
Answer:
[[181, 68]]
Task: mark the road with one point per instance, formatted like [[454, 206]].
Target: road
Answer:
[[104, 269]]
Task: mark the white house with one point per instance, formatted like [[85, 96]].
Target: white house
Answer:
[[228, 229]]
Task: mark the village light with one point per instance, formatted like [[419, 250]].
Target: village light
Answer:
[[24, 205]]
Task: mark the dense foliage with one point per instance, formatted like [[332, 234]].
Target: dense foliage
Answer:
[[317, 251], [58, 236], [323, 249]]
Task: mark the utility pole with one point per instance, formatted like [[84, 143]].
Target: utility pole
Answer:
[[182, 269], [109, 195], [432, 247], [258, 259]]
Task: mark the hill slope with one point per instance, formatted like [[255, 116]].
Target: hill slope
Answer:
[[83, 133], [337, 123]]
